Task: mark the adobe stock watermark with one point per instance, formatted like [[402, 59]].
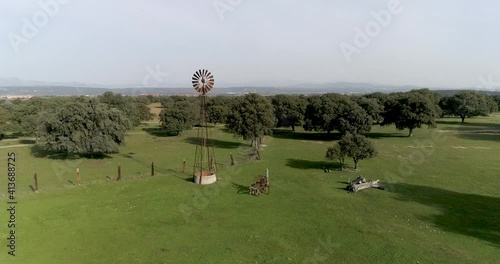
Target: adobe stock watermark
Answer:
[[423, 150], [65, 170], [364, 36], [32, 26], [224, 6], [154, 78], [323, 251], [488, 84], [202, 197]]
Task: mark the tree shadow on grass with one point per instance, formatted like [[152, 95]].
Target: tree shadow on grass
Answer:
[[384, 135], [241, 189], [308, 164], [27, 141], [474, 131], [287, 134], [467, 214], [216, 143], [39, 152], [469, 124], [480, 136], [13, 135], [159, 132]]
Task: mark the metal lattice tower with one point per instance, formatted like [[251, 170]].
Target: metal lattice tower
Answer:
[[205, 168]]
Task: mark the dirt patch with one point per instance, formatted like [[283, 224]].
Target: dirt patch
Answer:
[[419, 147]]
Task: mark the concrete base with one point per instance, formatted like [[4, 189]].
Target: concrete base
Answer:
[[206, 178]]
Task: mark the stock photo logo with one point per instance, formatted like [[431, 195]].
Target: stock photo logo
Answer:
[[488, 83], [31, 26], [154, 78], [224, 6]]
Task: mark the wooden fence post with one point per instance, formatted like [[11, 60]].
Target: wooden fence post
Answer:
[[36, 181], [152, 168], [232, 159], [184, 165], [119, 172], [268, 182], [78, 176]]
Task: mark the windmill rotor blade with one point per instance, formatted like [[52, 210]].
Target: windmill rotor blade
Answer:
[[208, 78]]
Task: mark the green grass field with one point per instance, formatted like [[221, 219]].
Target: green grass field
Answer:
[[441, 203]]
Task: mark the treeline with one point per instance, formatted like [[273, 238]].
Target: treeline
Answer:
[[87, 125], [329, 112], [23, 117], [74, 125]]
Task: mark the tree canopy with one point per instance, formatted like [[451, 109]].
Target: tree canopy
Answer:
[[467, 104], [218, 109], [251, 116], [372, 107], [410, 110], [331, 112], [354, 146], [84, 127], [135, 108], [178, 116], [336, 153], [289, 110]]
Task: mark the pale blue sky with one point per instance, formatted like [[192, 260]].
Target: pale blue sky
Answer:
[[446, 43]]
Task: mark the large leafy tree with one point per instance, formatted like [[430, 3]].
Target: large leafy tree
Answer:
[[496, 98], [336, 153], [84, 127], [357, 147], [466, 104], [178, 116], [251, 117], [289, 110], [410, 110], [492, 104]]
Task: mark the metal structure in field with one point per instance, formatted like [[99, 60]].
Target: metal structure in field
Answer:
[[205, 168]]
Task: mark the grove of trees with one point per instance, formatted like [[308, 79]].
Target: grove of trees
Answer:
[[86, 127], [468, 104], [74, 125], [83, 125]]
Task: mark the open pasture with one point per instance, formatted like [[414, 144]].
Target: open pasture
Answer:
[[441, 203]]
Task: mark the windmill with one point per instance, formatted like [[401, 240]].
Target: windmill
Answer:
[[205, 169]]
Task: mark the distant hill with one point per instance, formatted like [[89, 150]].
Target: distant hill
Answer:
[[17, 87]]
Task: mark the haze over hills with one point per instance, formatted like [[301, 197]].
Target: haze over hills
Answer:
[[18, 87]]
